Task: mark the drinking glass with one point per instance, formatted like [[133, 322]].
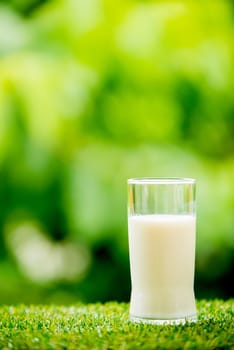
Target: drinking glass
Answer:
[[161, 232]]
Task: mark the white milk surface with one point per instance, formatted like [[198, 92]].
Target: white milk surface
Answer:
[[162, 254]]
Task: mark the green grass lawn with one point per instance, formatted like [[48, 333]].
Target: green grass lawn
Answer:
[[106, 327]]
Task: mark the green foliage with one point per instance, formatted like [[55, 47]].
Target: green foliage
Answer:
[[93, 92], [24, 7], [98, 326]]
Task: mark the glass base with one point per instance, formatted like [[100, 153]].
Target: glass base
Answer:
[[172, 321]]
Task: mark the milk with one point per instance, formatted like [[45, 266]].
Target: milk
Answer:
[[162, 254]]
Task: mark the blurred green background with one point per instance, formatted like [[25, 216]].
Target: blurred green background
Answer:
[[93, 92]]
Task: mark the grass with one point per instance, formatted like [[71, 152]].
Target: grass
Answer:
[[106, 327]]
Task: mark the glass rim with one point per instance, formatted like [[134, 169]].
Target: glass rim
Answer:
[[161, 181]]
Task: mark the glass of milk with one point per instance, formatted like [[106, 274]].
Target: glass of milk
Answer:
[[161, 232]]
